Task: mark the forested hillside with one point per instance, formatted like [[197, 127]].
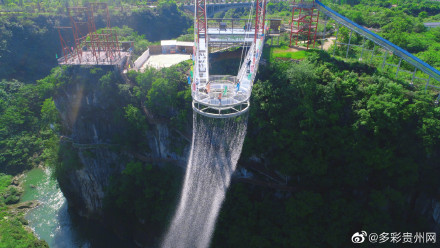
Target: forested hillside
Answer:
[[334, 145], [401, 22], [356, 148]]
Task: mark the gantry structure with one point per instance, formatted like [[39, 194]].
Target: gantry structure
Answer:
[[224, 96], [83, 44]]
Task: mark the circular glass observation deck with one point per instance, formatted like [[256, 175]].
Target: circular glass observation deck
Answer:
[[222, 97]]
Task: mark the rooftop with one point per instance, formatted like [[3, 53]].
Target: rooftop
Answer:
[[431, 24], [168, 42], [185, 43]]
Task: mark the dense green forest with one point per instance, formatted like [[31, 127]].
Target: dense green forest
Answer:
[[356, 146], [401, 22]]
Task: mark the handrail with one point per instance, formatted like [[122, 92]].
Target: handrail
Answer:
[[408, 57]]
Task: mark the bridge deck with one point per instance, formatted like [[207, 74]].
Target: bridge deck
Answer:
[[230, 31], [230, 35], [226, 96], [87, 58]]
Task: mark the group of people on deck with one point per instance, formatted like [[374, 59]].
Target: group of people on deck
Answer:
[[221, 94], [207, 89]]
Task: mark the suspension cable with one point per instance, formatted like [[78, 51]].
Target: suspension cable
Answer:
[[244, 40]]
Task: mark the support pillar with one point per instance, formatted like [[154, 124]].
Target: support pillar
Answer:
[[398, 67], [336, 40], [384, 59], [414, 75], [363, 47], [372, 54], [325, 31], [427, 83], [348, 46]]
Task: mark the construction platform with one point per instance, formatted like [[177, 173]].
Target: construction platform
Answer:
[[88, 58]]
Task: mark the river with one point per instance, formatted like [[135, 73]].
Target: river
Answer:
[[54, 223]]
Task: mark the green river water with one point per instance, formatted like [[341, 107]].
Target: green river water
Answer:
[[54, 223]]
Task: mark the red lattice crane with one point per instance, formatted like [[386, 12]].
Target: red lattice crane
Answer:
[[201, 19], [304, 24], [260, 17], [89, 46]]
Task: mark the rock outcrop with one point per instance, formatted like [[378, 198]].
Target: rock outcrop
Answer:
[[92, 124]]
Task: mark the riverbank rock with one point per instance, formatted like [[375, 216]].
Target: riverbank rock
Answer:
[[18, 179], [23, 207]]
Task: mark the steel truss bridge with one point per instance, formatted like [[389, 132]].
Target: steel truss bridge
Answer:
[[223, 96]]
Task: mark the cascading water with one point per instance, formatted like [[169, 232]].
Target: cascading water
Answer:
[[216, 148]]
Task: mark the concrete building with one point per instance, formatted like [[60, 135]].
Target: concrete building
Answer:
[[168, 46], [173, 46]]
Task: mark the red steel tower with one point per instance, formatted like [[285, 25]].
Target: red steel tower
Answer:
[[201, 18], [260, 17], [304, 22]]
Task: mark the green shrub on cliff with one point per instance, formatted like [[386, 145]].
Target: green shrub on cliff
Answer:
[[166, 93], [5, 181], [12, 234], [25, 121]]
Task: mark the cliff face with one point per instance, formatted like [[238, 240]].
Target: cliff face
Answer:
[[429, 208], [92, 120]]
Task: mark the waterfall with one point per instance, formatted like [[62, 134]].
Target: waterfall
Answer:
[[95, 136], [215, 150]]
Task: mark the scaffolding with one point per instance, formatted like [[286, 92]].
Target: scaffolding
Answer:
[[87, 45], [304, 23]]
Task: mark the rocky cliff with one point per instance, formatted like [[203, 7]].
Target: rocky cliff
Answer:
[[93, 148]]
